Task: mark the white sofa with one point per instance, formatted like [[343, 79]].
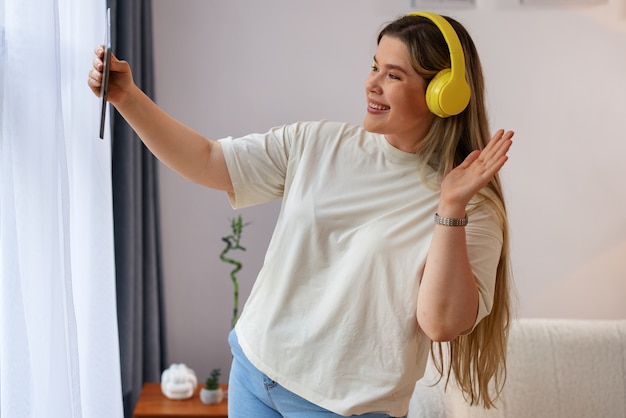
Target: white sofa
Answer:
[[556, 369]]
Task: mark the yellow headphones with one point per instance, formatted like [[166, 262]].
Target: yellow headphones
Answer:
[[448, 93]]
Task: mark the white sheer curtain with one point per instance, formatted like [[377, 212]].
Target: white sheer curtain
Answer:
[[59, 354]]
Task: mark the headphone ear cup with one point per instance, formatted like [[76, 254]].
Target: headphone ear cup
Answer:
[[435, 93], [446, 96]]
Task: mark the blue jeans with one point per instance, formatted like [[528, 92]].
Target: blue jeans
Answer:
[[253, 394]]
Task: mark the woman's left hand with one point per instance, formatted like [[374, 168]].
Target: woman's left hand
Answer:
[[461, 184]]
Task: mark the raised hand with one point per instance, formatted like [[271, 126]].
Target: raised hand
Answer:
[[120, 77], [464, 181]]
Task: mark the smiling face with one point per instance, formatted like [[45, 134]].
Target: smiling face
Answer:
[[396, 97]]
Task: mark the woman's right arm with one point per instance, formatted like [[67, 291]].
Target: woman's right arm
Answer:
[[173, 143]]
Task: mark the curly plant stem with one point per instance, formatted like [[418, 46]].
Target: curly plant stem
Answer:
[[232, 243]]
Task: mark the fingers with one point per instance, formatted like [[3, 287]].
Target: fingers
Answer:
[[94, 79], [494, 152], [487, 162], [498, 146], [473, 156], [496, 159], [99, 51], [500, 137]]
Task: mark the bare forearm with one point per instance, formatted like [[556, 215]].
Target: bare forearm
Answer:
[[173, 143], [447, 303], [448, 297]]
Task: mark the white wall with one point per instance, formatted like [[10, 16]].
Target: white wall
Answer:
[[556, 76]]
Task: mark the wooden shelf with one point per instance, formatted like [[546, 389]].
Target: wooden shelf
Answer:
[[153, 404]]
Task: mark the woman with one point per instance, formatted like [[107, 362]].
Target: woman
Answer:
[[358, 280]]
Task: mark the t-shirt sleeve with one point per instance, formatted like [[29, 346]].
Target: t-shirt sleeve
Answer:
[[257, 165], [484, 246]]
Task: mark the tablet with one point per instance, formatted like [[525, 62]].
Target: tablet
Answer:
[[104, 87]]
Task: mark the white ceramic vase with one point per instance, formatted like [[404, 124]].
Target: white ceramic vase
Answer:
[[210, 397]]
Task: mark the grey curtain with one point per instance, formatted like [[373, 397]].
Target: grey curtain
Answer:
[[135, 215]]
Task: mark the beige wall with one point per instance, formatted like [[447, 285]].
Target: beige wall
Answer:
[[556, 76]]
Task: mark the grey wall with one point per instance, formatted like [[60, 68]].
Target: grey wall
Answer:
[[556, 76]]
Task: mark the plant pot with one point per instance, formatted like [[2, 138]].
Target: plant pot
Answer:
[[210, 397]]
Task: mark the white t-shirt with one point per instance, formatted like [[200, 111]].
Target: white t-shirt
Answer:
[[332, 314]]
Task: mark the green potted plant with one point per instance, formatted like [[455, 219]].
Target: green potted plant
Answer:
[[212, 393], [233, 243]]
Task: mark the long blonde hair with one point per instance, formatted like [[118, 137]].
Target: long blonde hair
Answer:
[[477, 360]]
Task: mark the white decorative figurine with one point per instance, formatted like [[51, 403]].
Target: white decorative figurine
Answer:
[[178, 382]]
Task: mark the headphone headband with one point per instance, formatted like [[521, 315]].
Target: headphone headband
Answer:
[[448, 93]]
